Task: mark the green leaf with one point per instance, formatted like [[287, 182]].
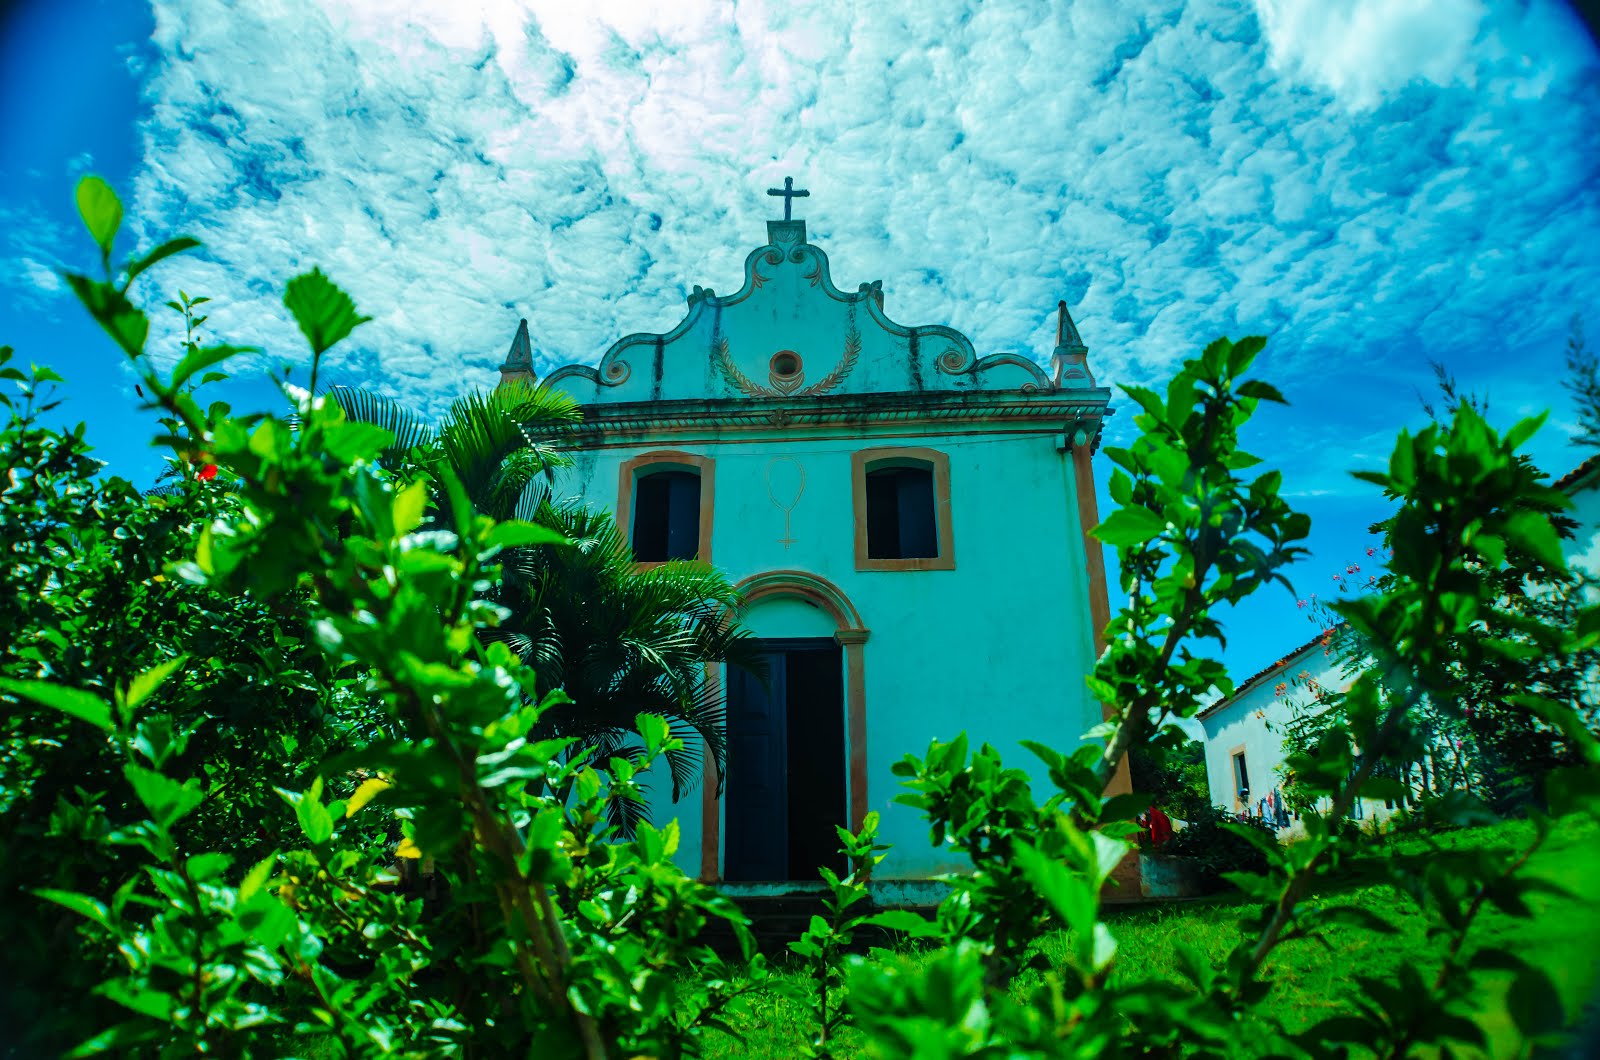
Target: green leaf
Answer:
[[1532, 533], [101, 211], [208, 866], [1518, 435], [166, 799], [82, 705], [144, 1001], [369, 790], [1129, 526], [1355, 916], [202, 357], [1124, 807], [123, 321], [1069, 894], [120, 1038], [81, 904], [1256, 388], [325, 313], [1243, 354], [1534, 1003], [409, 506], [514, 533], [143, 687], [315, 821], [1148, 400], [165, 250], [654, 729], [902, 920]]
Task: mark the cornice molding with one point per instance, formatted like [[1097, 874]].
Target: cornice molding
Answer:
[[1048, 409]]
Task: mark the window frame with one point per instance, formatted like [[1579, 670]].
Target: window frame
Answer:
[[640, 466], [1239, 763], [865, 460]]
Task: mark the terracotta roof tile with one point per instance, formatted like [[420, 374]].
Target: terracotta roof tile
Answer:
[[1577, 474], [1259, 676]]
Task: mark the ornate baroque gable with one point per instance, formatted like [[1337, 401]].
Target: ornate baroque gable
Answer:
[[790, 333], [790, 349]]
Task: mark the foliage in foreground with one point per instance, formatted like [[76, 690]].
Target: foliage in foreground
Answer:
[[560, 938]]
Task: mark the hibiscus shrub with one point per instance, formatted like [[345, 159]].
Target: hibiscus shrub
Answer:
[[230, 709]]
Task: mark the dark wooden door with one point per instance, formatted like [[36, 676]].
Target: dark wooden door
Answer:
[[757, 796], [786, 764]]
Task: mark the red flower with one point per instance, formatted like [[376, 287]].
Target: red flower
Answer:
[[1372, 552], [207, 473]]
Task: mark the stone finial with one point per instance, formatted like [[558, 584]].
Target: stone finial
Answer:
[[1071, 357], [519, 359]]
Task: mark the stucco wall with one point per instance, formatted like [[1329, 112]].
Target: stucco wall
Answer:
[[997, 647], [1257, 720], [1584, 548]]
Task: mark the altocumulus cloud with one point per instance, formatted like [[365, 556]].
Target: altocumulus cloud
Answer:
[[1364, 180]]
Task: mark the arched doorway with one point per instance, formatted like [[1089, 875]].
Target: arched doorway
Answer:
[[797, 761]]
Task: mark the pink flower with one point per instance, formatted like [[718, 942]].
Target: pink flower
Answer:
[[1372, 552], [1300, 603]]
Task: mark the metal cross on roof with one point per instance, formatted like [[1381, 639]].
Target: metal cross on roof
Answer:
[[788, 193]]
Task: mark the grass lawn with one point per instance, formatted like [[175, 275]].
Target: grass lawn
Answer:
[[1311, 981]]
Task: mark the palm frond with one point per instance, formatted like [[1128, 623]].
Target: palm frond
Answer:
[[481, 430], [367, 406]]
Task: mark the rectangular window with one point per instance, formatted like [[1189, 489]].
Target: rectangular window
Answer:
[[900, 516], [666, 516], [902, 499], [1241, 775]]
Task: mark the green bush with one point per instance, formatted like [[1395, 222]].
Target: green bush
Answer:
[[1211, 840], [370, 594]]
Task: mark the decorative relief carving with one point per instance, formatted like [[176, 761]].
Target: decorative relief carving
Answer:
[[789, 384], [786, 371], [782, 482]]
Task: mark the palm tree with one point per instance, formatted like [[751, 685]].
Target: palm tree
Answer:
[[621, 642], [503, 446], [618, 641]]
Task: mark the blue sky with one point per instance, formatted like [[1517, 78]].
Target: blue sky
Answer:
[[1372, 183]]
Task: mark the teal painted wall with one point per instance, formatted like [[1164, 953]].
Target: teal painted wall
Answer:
[[996, 647]]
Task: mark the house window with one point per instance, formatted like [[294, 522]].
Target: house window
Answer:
[[900, 519], [664, 504], [666, 516], [902, 510], [1241, 780]]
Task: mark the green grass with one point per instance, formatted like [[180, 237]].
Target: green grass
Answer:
[[1312, 981]]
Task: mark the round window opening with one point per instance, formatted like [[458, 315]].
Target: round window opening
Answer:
[[786, 364]]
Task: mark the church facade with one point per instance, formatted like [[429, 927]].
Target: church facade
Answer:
[[907, 523]]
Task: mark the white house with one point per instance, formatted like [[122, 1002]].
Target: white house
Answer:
[[1244, 732], [1582, 487], [906, 520]]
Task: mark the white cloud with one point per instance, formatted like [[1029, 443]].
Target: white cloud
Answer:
[[1363, 50], [469, 164]]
